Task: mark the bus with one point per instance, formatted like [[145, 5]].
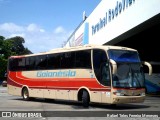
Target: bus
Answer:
[[89, 74]]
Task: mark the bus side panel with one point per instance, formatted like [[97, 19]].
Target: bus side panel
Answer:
[[13, 90], [106, 97], [13, 87], [75, 95], [62, 94], [101, 96], [95, 96], [50, 93], [36, 93], [45, 84], [72, 94]]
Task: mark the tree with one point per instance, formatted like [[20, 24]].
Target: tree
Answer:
[[2, 38], [17, 45], [9, 47], [1, 43]]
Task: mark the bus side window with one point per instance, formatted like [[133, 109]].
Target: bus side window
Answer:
[[27, 63], [83, 59], [41, 62], [101, 67], [105, 79], [13, 63], [54, 61], [17, 64], [21, 64], [32, 61], [68, 60]]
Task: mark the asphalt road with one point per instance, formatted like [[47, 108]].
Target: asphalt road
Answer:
[[14, 107]]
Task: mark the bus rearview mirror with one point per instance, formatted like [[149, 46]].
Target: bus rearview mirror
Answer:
[[149, 66], [114, 66]]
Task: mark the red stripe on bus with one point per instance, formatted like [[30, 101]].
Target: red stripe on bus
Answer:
[[63, 82], [69, 88], [11, 82]]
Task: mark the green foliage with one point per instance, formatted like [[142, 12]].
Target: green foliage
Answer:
[[17, 45], [3, 66], [10, 47]]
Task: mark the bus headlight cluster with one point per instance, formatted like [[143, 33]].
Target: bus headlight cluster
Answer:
[[119, 93]]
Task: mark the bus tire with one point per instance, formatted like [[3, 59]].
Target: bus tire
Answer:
[[85, 99], [25, 94]]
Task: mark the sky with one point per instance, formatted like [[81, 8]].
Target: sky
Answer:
[[44, 24]]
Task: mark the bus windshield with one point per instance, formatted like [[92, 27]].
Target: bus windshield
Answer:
[[124, 56], [129, 69]]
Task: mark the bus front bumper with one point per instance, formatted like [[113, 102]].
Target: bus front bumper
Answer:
[[128, 99]]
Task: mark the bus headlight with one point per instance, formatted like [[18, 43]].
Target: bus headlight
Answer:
[[118, 93]]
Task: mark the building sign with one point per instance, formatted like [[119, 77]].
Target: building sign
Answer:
[[113, 18], [111, 14]]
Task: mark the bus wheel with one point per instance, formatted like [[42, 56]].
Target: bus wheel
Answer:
[[25, 94], [85, 99]]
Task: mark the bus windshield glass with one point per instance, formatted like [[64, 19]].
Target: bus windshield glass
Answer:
[[124, 56], [129, 69]]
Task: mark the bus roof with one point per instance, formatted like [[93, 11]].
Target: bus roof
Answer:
[[77, 48]]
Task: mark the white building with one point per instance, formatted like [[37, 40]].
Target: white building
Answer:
[[130, 23]]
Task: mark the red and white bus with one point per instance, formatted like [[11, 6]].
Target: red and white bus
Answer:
[[90, 73]]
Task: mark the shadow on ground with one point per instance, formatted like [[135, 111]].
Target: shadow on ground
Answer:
[[78, 105]]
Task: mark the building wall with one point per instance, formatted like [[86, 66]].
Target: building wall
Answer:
[[112, 18]]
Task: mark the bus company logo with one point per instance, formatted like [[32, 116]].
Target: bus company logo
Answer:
[[6, 114], [67, 73], [17, 114]]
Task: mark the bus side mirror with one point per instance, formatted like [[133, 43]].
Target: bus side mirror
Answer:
[[114, 66], [149, 66]]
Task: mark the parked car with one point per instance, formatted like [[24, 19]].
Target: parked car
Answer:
[[4, 83]]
